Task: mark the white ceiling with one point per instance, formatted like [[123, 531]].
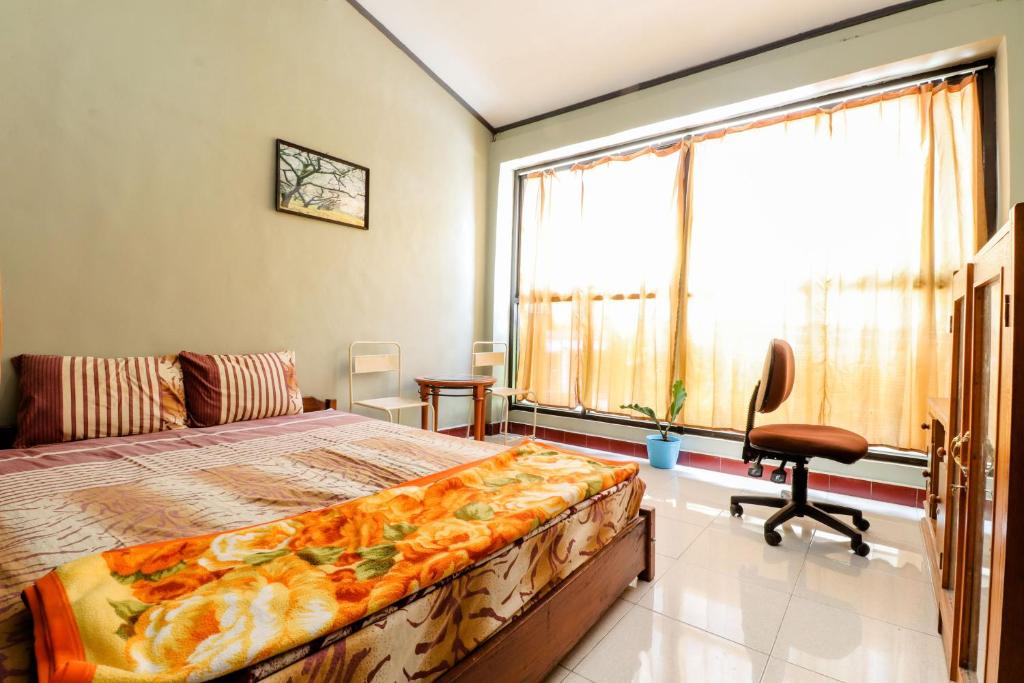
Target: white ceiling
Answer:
[[514, 60]]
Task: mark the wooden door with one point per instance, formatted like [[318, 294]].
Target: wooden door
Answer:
[[951, 523], [949, 513], [983, 454]]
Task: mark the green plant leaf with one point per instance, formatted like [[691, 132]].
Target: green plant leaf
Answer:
[[398, 531], [325, 555], [369, 569], [381, 551], [475, 511], [678, 398], [265, 556], [129, 609], [643, 410], [528, 478]]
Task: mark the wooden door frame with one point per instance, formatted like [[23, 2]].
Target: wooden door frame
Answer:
[[959, 412], [1003, 657], [988, 271]]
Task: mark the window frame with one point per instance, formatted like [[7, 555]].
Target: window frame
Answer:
[[984, 69]]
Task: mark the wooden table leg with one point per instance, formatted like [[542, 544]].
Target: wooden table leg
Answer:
[[479, 392], [424, 392], [434, 401]]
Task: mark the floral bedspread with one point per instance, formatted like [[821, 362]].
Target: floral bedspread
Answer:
[[200, 607]]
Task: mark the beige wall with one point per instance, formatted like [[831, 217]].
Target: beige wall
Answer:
[[912, 41], [137, 213]]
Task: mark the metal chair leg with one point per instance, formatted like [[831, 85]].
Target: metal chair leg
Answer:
[[858, 515], [767, 501], [781, 516], [534, 399], [819, 515]]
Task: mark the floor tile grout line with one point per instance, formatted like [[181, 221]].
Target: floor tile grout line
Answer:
[[703, 630], [854, 611], [601, 639], [797, 666], [868, 616], [789, 590], [880, 572], [764, 669], [775, 641], [762, 585], [789, 601], [666, 498]]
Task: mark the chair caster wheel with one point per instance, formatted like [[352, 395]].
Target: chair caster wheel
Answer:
[[773, 537], [863, 549], [861, 524], [736, 510]]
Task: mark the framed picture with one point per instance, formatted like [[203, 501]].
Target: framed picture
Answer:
[[318, 185]]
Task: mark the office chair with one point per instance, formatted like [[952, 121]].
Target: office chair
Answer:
[[796, 444]]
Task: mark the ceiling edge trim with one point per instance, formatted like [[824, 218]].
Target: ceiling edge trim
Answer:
[[420, 63], [721, 61]]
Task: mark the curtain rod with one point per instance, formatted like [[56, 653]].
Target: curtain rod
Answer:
[[676, 136]]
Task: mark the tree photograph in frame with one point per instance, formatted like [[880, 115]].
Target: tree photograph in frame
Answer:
[[318, 185]]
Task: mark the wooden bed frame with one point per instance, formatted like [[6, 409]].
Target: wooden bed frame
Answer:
[[311, 404], [551, 625], [533, 644]]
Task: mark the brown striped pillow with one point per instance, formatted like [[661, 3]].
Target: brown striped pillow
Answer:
[[68, 398], [221, 389]]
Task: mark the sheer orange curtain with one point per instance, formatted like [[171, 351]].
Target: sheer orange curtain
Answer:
[[838, 231], [599, 281]]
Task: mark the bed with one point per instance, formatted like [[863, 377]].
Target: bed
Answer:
[[509, 617]]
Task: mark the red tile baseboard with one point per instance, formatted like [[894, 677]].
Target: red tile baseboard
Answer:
[[489, 430], [704, 461], [819, 481]]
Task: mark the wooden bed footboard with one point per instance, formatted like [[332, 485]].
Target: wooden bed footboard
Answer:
[[532, 645], [311, 404]]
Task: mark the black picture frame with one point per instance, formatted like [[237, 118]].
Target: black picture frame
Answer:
[[321, 194]]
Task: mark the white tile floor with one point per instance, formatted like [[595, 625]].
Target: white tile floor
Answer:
[[725, 606]]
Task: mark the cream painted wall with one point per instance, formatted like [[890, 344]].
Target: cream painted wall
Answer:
[[908, 42], [137, 211]]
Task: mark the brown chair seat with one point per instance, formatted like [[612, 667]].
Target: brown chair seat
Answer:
[[811, 441]]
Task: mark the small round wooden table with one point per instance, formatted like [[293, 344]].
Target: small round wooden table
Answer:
[[471, 385]]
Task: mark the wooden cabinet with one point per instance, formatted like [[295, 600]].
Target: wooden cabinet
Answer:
[[974, 522]]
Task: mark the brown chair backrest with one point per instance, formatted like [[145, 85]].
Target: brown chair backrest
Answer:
[[777, 377]]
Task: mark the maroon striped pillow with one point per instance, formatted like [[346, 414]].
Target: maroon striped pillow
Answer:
[[68, 398], [222, 389]]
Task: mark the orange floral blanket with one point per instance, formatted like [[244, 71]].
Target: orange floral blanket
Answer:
[[200, 607]]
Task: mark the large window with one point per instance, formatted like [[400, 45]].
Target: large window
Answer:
[[836, 229]]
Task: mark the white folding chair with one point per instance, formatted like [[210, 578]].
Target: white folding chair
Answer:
[[490, 355], [375, 363]]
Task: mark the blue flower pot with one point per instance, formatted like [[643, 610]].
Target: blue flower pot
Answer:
[[663, 454]]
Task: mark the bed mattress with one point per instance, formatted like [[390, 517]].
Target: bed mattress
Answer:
[[64, 501]]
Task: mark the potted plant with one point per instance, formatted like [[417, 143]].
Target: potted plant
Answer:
[[663, 447]]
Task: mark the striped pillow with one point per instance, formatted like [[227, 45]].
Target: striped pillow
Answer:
[[68, 398], [222, 389]]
